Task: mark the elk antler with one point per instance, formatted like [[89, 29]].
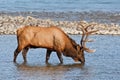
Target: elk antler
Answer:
[[84, 38]]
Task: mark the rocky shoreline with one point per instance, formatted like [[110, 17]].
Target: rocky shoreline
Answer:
[[9, 24]]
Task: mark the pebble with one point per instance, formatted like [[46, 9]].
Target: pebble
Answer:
[[9, 25]]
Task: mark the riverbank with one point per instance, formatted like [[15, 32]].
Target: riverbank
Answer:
[[9, 24]]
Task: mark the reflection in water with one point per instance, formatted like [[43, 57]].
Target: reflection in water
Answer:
[[51, 71], [27, 65]]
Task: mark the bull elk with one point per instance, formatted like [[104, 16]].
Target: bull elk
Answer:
[[53, 39]]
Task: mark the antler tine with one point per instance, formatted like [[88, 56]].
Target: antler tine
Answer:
[[85, 40], [85, 35], [90, 32], [90, 25], [85, 48], [89, 50], [82, 25], [84, 30]]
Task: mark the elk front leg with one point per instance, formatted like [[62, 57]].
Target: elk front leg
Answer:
[[48, 55], [60, 57], [24, 53]]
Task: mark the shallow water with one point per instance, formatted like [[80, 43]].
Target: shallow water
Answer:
[[104, 64]]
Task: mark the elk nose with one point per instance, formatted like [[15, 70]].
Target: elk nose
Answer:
[[82, 61]]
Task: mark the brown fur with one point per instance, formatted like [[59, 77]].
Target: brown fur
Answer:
[[52, 38]]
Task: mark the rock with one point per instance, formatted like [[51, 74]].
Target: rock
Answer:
[[9, 24]]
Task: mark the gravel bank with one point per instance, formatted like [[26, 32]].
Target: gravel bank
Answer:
[[9, 24]]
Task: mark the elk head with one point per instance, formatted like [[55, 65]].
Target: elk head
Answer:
[[82, 46]]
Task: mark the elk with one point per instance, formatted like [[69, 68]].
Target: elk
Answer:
[[53, 39]]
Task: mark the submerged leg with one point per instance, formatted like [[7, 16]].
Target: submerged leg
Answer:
[[48, 55], [16, 52], [24, 53], [60, 57]]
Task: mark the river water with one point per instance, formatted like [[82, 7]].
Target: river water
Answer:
[[104, 64], [102, 11]]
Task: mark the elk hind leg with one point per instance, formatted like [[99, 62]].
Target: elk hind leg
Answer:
[[24, 53], [16, 52]]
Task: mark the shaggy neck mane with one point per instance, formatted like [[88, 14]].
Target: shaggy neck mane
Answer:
[[73, 42]]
